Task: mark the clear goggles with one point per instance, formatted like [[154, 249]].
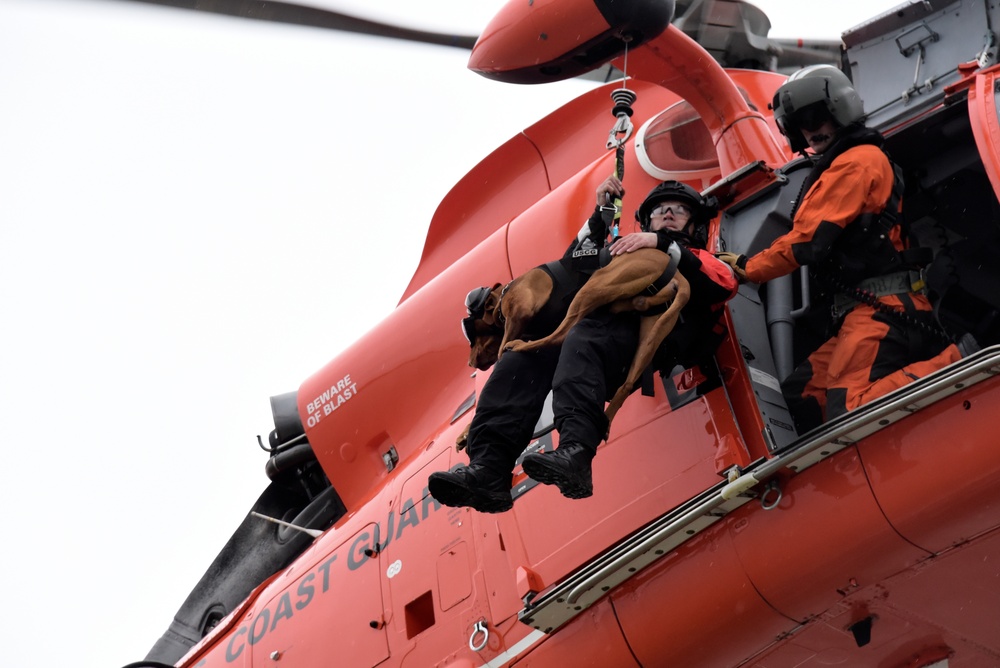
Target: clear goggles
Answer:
[[675, 208]]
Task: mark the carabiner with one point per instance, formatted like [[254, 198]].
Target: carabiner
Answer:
[[622, 111], [622, 127]]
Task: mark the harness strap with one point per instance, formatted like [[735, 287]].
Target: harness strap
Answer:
[[880, 224], [900, 282], [611, 213], [674, 251]]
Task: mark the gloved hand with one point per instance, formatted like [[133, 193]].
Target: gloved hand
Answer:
[[737, 262]]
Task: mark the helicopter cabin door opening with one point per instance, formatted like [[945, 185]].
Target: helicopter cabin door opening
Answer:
[[950, 211]]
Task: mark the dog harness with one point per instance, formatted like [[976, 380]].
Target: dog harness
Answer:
[[663, 281], [567, 279]]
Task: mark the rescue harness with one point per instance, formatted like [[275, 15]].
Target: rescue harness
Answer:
[[864, 264]]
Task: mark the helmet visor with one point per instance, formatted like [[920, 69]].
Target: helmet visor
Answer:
[[811, 118]]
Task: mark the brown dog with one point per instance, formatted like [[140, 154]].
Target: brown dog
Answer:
[[621, 284], [506, 313], [502, 318]]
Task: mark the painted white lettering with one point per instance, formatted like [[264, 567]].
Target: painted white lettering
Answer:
[[331, 399]]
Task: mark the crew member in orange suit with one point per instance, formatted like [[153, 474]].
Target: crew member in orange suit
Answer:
[[846, 228]]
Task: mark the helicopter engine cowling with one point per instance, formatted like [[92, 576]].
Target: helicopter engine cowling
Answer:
[[551, 40]]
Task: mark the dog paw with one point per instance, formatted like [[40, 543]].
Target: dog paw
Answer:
[[515, 346]]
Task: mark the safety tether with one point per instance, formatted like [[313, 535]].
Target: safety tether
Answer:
[[623, 98]]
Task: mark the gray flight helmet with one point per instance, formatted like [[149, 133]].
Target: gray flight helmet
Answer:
[[818, 88]]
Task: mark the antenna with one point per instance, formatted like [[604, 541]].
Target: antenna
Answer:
[[315, 533]]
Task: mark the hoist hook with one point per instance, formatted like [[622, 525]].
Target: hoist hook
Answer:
[[622, 111], [620, 133]]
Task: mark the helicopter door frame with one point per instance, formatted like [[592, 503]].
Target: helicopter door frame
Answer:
[[984, 113], [766, 318]]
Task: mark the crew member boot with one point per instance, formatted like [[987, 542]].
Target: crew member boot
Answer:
[[568, 468], [472, 486]]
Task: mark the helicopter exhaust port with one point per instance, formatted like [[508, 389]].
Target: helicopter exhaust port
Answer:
[[287, 442]]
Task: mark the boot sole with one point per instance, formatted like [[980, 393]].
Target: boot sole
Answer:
[[454, 495], [538, 468]]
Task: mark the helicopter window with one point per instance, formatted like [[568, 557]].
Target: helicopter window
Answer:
[[675, 144]]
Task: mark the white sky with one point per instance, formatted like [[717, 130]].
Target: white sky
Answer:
[[197, 213]]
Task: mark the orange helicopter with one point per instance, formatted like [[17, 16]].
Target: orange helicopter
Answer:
[[717, 534]]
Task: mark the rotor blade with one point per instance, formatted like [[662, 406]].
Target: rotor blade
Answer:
[[286, 12], [734, 32]]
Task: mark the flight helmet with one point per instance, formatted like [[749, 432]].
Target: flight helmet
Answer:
[[702, 209], [812, 95]]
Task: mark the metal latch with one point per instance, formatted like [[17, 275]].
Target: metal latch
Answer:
[[390, 458]]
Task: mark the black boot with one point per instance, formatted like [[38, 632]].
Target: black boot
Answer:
[[568, 468], [472, 486], [967, 345]]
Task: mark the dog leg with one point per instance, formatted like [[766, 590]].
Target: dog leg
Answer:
[[525, 298], [652, 331], [642, 303]]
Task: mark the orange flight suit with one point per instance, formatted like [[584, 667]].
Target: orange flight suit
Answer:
[[872, 353]]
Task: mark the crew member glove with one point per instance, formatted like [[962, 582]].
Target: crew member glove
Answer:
[[737, 262]]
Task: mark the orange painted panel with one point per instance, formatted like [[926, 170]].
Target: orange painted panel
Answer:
[[957, 594], [935, 473], [592, 640], [827, 536], [495, 191], [399, 384], [294, 623], [656, 460], [946, 606], [696, 607]]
